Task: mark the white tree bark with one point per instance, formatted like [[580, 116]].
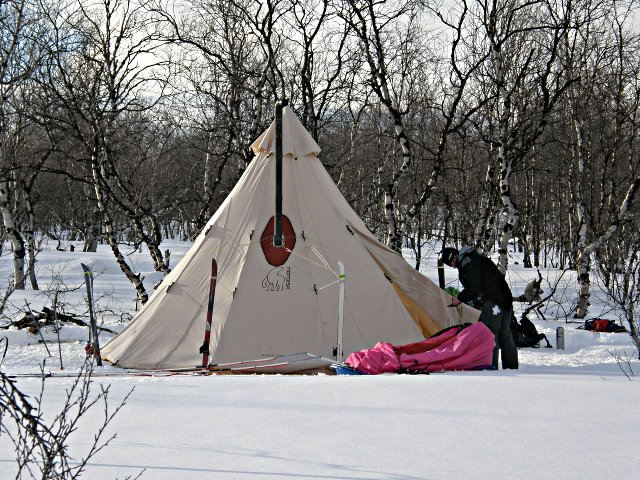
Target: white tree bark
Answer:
[[111, 236], [583, 261], [31, 242], [510, 211], [13, 235], [17, 58], [484, 232], [394, 235], [370, 35]]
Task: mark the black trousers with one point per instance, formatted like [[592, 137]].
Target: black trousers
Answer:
[[499, 322]]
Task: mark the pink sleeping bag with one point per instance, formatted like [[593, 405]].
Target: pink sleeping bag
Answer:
[[457, 348]]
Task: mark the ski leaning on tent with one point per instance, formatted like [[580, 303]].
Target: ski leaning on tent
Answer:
[[93, 345], [204, 349]]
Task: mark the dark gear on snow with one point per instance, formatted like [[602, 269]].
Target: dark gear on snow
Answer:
[[603, 325], [525, 333]]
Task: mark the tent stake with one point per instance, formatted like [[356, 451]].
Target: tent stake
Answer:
[[341, 277]]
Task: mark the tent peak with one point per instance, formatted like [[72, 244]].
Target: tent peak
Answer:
[[296, 140]]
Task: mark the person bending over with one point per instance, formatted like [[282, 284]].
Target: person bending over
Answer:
[[482, 281]]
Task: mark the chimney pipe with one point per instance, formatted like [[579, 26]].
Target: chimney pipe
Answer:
[[277, 236]]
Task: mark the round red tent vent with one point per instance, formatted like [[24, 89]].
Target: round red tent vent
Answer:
[[277, 256]]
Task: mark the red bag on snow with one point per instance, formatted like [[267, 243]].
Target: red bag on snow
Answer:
[[458, 348], [603, 325]]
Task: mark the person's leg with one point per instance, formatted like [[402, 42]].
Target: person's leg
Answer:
[[508, 349], [491, 316]]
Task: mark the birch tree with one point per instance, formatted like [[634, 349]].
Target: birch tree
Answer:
[[29, 152], [617, 55], [621, 276], [372, 23], [526, 82], [20, 54], [229, 61], [104, 70], [318, 55], [455, 107]]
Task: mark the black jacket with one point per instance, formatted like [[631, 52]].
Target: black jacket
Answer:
[[480, 277]]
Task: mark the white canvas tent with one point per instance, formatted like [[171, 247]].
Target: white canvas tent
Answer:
[[264, 310]]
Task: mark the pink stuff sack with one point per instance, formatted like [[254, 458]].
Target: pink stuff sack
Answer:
[[376, 360]]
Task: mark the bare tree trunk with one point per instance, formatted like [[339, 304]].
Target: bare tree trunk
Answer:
[[13, 235], [31, 242], [583, 254], [152, 242], [256, 114], [512, 215], [210, 186], [583, 260], [136, 214], [504, 108], [206, 177], [111, 237], [370, 33], [162, 262], [484, 233], [92, 237], [91, 227]]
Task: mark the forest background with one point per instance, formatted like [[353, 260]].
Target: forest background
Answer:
[[126, 122]]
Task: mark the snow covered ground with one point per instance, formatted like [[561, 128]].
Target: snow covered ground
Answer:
[[565, 414]]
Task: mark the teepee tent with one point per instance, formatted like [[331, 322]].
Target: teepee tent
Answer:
[[273, 301]]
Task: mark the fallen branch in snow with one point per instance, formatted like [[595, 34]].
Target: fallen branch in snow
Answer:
[[36, 320]]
